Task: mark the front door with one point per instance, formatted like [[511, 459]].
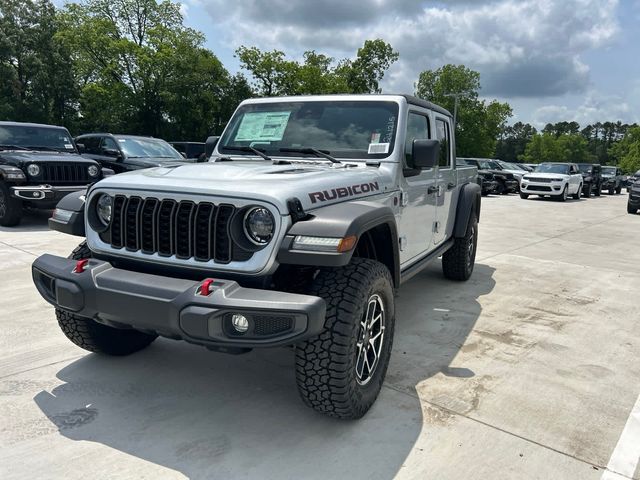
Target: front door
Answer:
[[418, 211]]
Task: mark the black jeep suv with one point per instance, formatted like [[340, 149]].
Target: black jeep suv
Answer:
[[39, 164], [123, 153], [592, 178]]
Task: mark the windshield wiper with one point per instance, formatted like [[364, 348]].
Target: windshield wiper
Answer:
[[257, 151], [13, 147], [311, 151]]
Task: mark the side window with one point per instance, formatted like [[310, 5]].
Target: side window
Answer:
[[91, 144], [109, 143], [417, 129], [444, 137]]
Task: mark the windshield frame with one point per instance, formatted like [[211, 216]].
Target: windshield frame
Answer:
[[67, 145], [123, 139], [227, 139]]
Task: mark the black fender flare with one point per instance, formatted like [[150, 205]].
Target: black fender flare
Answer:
[[469, 202], [74, 225], [340, 221]]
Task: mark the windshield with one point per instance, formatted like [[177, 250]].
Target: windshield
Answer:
[[488, 165], [33, 137], [585, 168], [553, 168], [609, 170], [148, 147], [344, 129]]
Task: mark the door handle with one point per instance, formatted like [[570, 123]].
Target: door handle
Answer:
[[451, 186], [431, 190]]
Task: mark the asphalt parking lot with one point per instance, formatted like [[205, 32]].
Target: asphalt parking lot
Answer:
[[529, 370]]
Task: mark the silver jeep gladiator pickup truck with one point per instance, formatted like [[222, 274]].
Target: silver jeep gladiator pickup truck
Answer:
[[309, 215]]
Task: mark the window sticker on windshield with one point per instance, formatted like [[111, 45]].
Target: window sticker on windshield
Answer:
[[262, 126], [378, 148]]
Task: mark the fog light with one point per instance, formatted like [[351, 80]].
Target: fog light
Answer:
[[240, 323]]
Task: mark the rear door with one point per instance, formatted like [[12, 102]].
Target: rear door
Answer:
[[418, 210], [446, 181]]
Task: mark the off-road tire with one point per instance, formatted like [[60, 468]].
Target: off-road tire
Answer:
[[10, 207], [631, 210], [578, 194], [326, 364], [586, 191], [458, 261], [524, 196], [95, 337]]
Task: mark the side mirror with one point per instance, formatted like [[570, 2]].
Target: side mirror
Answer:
[[210, 144], [81, 147], [425, 153]]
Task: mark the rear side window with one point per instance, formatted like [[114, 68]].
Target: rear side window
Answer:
[[417, 129], [444, 137]]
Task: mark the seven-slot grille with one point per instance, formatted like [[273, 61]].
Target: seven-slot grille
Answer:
[[167, 227], [64, 173]]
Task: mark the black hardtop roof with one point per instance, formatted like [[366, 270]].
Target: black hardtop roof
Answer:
[[26, 124], [411, 100]]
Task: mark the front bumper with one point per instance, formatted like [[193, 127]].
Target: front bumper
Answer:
[[45, 193], [176, 308], [539, 188]]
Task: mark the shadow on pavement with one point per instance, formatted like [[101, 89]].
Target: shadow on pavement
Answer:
[[211, 415]]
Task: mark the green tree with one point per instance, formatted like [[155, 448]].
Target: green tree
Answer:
[[36, 83], [480, 123], [142, 71], [626, 152], [274, 74]]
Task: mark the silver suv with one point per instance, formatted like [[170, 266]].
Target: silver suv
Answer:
[[311, 212]]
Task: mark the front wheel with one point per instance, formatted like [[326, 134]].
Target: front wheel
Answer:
[[458, 261], [96, 337], [10, 207], [340, 372]]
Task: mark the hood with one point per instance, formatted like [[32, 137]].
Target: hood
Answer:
[[545, 175], [147, 162], [314, 185], [21, 157]]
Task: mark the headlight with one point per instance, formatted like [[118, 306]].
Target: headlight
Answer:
[[259, 225], [103, 208], [33, 170], [93, 171]]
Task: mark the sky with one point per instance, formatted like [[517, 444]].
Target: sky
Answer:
[[551, 60]]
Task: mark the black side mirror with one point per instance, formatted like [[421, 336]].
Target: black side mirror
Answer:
[[210, 145], [81, 147], [425, 153]]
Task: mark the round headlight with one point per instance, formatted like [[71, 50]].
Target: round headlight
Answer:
[[33, 170], [103, 208], [93, 171], [259, 225]]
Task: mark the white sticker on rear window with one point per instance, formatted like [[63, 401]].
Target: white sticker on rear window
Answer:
[[378, 148], [262, 126]]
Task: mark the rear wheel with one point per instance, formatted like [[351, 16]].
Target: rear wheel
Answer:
[[458, 261], [340, 372], [95, 337], [10, 207]]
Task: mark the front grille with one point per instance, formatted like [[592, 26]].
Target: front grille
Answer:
[[538, 180], [182, 228], [64, 173]]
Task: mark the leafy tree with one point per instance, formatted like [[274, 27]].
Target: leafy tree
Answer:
[[274, 74], [36, 83], [142, 71], [626, 152], [479, 123]]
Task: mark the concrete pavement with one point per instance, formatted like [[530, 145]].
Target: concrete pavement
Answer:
[[528, 371]]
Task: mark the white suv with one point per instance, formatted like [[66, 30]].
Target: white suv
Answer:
[[557, 180]]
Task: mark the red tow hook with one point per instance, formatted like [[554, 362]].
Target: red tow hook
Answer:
[[205, 288], [80, 265]]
